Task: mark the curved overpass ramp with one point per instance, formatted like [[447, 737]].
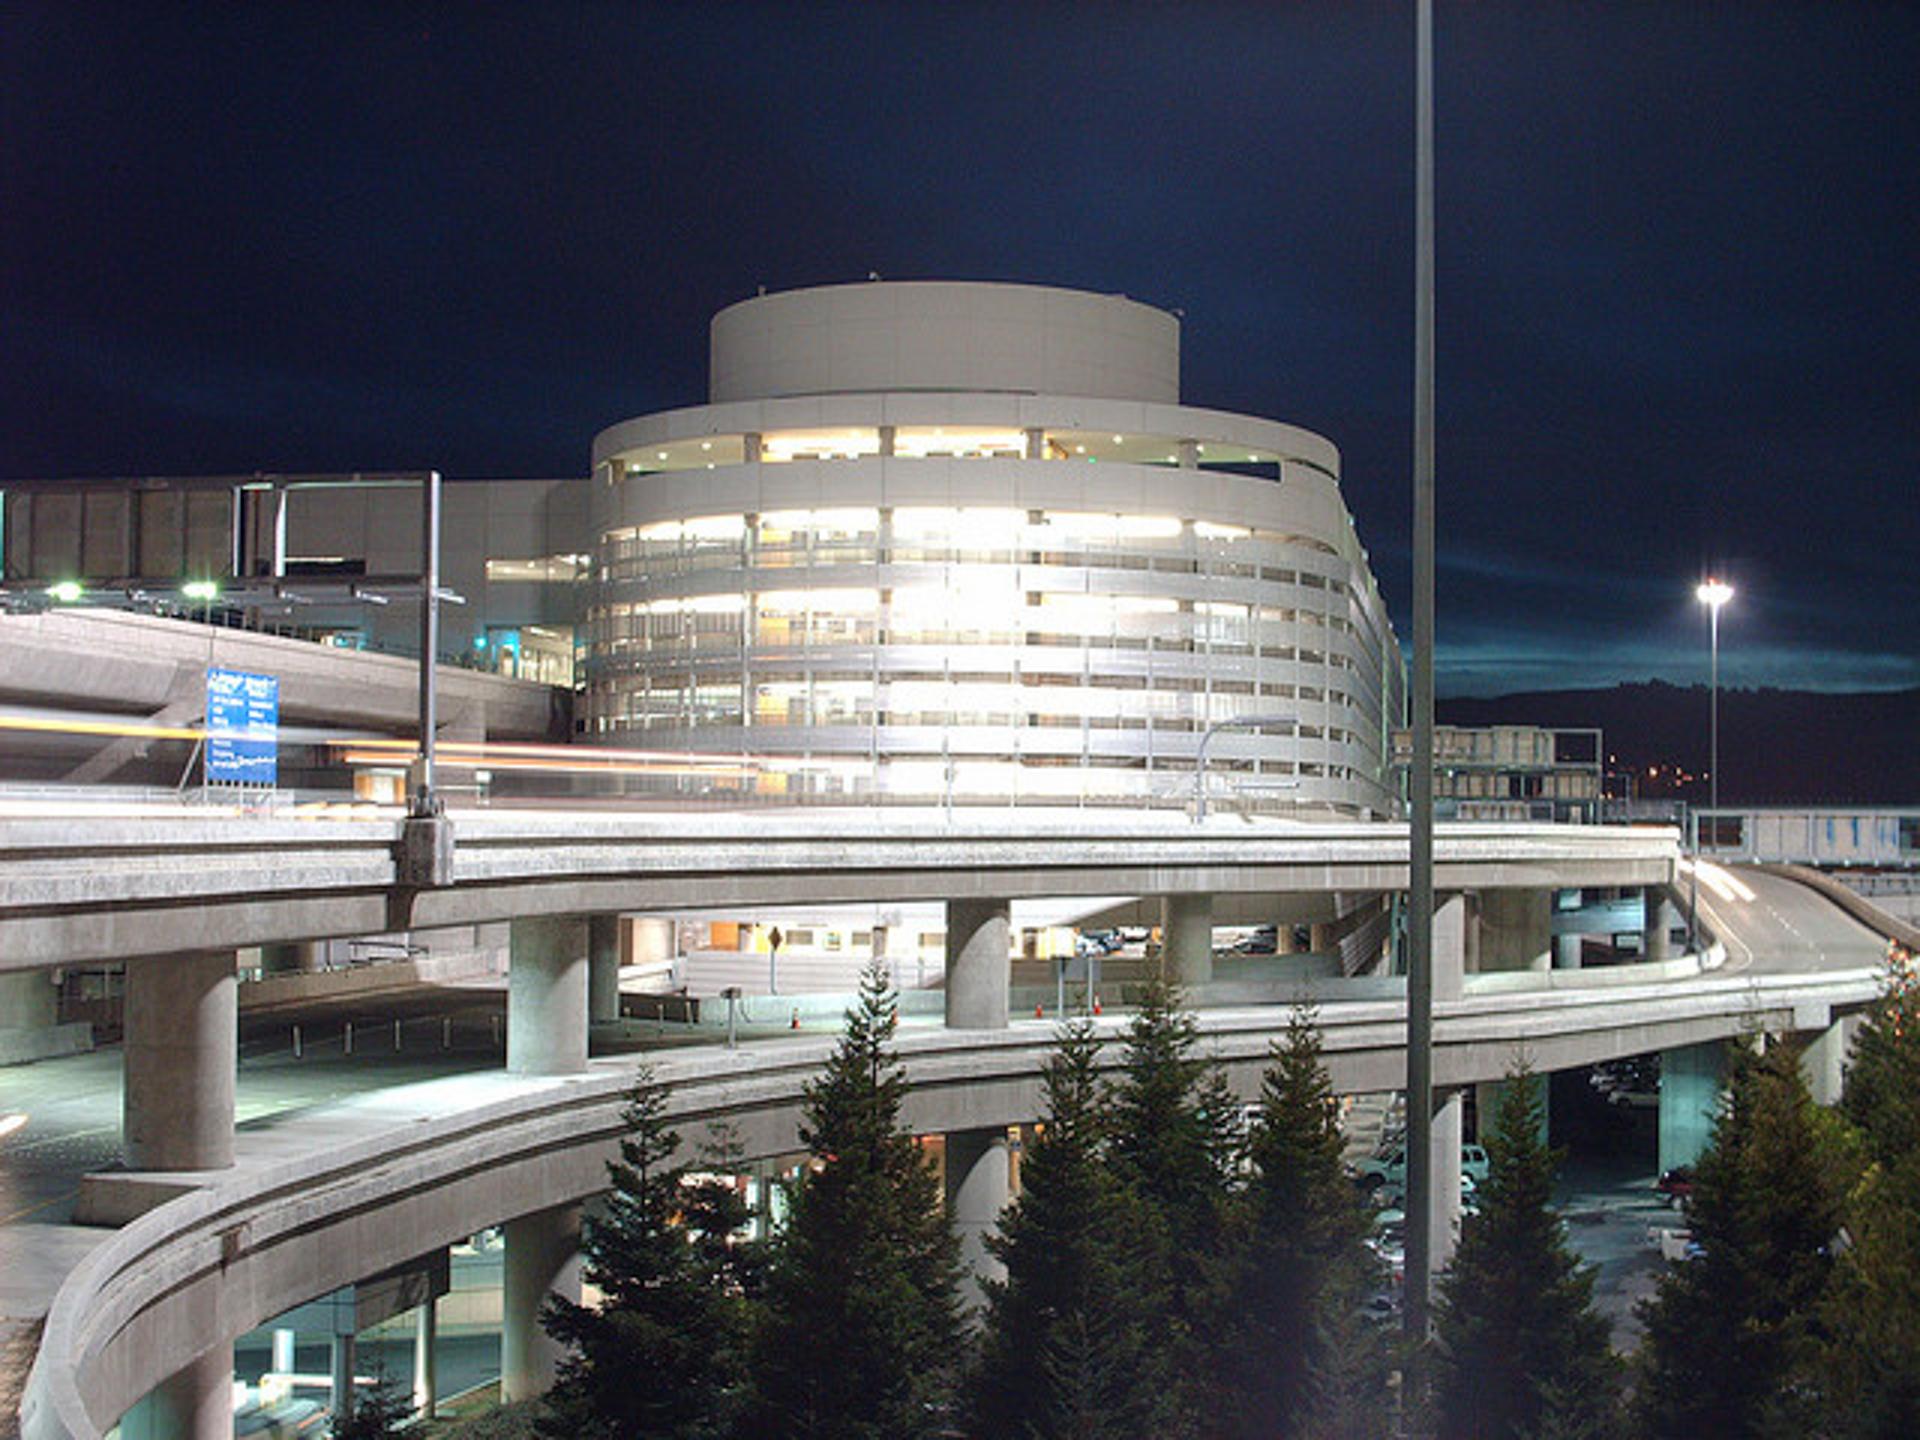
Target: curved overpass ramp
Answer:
[[347, 1190]]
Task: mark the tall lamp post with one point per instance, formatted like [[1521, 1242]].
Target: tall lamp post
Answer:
[[1712, 594]]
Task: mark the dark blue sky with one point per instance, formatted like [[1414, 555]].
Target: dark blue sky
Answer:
[[1679, 318]]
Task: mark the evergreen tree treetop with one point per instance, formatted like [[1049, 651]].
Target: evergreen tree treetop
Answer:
[[1520, 1345]]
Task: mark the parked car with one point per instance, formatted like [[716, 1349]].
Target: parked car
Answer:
[[1389, 1167], [1676, 1246]]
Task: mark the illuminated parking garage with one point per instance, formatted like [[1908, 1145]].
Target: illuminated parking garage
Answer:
[[956, 543]]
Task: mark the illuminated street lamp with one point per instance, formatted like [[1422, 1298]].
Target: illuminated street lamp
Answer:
[[1713, 594], [67, 592]]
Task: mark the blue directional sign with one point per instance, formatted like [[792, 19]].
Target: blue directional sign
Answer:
[[243, 728]]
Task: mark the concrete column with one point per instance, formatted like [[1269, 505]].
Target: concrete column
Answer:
[[1320, 939], [182, 1042], [603, 968], [1566, 952], [887, 433], [1516, 929], [547, 996], [543, 1257], [342, 1357], [300, 957], [978, 967], [1036, 443], [284, 1359], [1186, 929], [1446, 1174], [1450, 965], [1189, 453], [194, 1403], [1657, 927], [1473, 934], [1689, 1100], [979, 1186], [426, 1370], [1824, 1061], [750, 447]]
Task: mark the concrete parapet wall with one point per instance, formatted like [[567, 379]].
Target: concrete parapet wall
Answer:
[[338, 1194], [374, 979], [23, 1044]]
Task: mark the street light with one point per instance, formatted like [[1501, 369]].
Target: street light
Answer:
[[1712, 594], [1233, 722]]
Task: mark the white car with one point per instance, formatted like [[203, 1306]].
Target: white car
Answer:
[[1390, 1167]]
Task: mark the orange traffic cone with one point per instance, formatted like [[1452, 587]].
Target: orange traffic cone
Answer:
[[1096, 1004], [1039, 1012], [794, 1024]]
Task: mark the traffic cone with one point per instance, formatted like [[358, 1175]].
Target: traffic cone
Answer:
[[794, 1024], [1096, 1004], [1040, 1011]]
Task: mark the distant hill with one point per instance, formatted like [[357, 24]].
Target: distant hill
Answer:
[[1777, 747]]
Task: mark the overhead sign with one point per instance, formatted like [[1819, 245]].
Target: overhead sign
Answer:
[[243, 728]]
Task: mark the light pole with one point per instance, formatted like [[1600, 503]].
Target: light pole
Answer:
[[1234, 722], [1712, 594]]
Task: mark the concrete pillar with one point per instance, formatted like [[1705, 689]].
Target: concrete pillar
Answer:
[[978, 965], [547, 996], [542, 1258], [979, 1186], [299, 957], [182, 1042], [1036, 443], [194, 1403], [887, 433], [750, 447], [1446, 1175], [1450, 958], [1689, 1099], [1189, 453], [284, 1358], [603, 968], [1566, 952], [1656, 941], [1186, 929], [1824, 1061], [1320, 939], [342, 1357], [426, 1369], [1516, 929]]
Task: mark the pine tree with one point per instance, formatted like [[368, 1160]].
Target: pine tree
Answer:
[[1867, 1371], [863, 1331], [1298, 1358], [665, 1354], [380, 1412], [1726, 1332], [1071, 1342], [1521, 1350]]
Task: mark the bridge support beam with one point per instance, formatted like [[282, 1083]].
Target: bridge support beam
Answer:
[[547, 996], [1824, 1061], [182, 1044], [1515, 930], [1445, 1233], [978, 965], [1186, 929], [979, 1184], [603, 968], [1689, 1098], [194, 1403], [543, 1255], [1656, 939]]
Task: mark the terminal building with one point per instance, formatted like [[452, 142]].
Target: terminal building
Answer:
[[927, 543]]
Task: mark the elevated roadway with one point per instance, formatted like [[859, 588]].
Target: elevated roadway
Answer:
[[88, 889], [343, 1191]]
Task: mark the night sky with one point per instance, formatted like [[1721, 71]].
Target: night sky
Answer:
[[1679, 261]]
